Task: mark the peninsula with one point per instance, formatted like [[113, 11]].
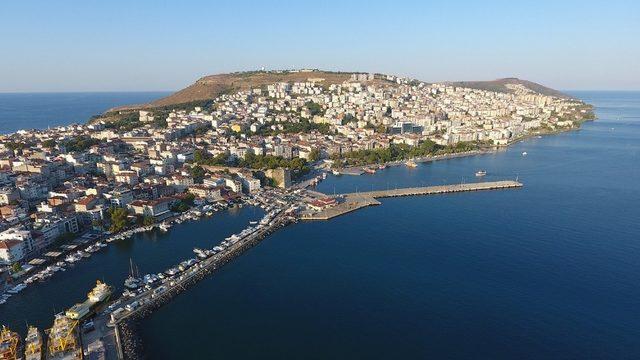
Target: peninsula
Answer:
[[258, 138]]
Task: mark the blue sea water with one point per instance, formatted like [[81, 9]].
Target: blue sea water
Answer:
[[551, 270], [41, 110]]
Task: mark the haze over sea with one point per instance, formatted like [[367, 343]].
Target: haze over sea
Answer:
[[548, 271]]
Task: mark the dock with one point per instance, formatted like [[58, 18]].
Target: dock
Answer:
[[441, 189], [359, 200], [351, 203]]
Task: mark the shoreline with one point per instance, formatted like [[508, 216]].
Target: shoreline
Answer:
[[358, 169]]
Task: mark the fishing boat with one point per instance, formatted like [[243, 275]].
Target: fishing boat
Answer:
[[33, 344], [9, 344], [64, 340]]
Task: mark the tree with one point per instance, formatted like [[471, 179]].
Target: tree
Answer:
[[49, 143], [314, 155], [197, 172], [148, 220], [314, 108], [119, 219], [16, 267]]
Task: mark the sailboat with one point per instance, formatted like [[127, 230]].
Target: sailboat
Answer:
[[133, 281]]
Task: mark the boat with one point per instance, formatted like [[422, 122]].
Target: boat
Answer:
[[33, 344], [133, 281], [96, 297], [9, 344], [382, 167], [335, 172], [411, 164], [524, 153], [64, 341], [481, 173]]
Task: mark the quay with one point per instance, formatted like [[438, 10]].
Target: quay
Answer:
[[350, 203], [359, 200], [439, 189]]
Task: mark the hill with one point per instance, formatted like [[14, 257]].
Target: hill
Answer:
[[212, 86], [499, 86]]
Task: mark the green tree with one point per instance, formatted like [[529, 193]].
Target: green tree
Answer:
[[148, 220], [49, 143], [119, 219], [314, 155], [197, 172], [16, 267]]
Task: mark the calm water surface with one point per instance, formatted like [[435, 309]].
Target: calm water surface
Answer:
[[41, 110]]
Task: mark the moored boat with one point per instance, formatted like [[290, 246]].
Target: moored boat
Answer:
[[64, 341], [9, 344], [33, 344]]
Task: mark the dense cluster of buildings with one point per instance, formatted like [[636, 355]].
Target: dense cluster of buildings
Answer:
[[58, 182]]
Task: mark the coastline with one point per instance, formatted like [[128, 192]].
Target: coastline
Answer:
[[358, 169]]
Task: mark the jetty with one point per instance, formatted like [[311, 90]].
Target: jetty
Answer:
[[439, 189], [359, 200]]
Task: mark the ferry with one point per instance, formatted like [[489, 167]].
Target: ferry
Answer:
[[480, 173], [97, 296], [9, 344], [33, 344], [64, 340]]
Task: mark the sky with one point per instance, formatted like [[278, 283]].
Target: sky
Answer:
[[117, 45]]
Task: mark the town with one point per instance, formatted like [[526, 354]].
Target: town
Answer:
[[60, 184]]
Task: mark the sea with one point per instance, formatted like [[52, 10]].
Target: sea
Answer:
[[42, 110], [551, 270]]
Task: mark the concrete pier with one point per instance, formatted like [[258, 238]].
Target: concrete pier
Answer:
[[359, 200], [351, 203], [442, 189]]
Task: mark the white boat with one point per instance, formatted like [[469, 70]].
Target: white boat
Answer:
[[524, 153], [481, 173]]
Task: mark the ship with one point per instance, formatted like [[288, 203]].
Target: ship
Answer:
[[411, 164], [9, 344], [481, 173], [96, 297], [33, 344], [64, 339]]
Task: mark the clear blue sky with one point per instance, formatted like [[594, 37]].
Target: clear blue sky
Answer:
[[164, 45]]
